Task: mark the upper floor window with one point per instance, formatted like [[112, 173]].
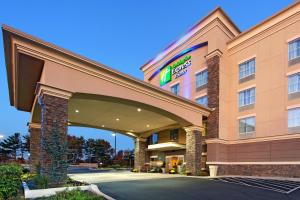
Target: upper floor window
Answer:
[[202, 100], [294, 117], [153, 139], [175, 89], [201, 78], [247, 125], [294, 83], [294, 49], [247, 97], [247, 68], [174, 134]]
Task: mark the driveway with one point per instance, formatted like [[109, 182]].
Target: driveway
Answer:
[[143, 186]]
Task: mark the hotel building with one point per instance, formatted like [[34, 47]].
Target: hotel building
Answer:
[[215, 97], [250, 80]]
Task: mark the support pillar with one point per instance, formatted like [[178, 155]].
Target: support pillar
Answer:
[[193, 149], [35, 142], [213, 90], [139, 153], [54, 124]]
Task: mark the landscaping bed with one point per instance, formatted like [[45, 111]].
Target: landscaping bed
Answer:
[[13, 178]]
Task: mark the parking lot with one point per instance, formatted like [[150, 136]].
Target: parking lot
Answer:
[[147, 186], [281, 186]]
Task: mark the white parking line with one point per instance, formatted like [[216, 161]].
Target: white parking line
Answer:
[[273, 185]]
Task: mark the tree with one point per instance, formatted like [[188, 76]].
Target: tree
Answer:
[[98, 151], [25, 145], [11, 146], [75, 148]]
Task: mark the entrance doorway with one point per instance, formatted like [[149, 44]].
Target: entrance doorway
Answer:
[[172, 162]]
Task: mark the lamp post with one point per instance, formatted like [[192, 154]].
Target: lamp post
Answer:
[[115, 136]]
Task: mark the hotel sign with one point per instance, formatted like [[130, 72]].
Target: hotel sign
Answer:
[[176, 70]]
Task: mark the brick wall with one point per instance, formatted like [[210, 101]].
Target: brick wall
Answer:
[[213, 96], [54, 113], [193, 151], [35, 141]]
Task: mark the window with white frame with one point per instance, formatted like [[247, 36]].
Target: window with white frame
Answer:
[[294, 49], [175, 89], [201, 78], [247, 97], [202, 100], [247, 125], [247, 68], [293, 117], [294, 83]]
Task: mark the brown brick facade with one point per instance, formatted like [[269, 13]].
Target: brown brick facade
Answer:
[[193, 151], [139, 153], [260, 170], [213, 96], [54, 113], [35, 141], [266, 151]]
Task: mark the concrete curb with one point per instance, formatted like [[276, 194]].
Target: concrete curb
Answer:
[[32, 194]]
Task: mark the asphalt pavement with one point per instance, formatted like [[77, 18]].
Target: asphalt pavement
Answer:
[[185, 188]]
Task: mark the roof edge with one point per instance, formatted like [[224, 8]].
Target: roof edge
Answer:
[[192, 28], [95, 64], [263, 22]]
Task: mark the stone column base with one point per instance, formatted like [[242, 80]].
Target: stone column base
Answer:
[[260, 170]]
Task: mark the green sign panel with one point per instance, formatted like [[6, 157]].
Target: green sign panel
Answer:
[[178, 69], [165, 75]]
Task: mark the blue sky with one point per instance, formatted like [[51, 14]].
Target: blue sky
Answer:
[[122, 34]]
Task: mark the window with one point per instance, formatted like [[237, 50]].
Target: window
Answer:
[[247, 97], [153, 139], [175, 89], [294, 49], [294, 117], [247, 68], [201, 78], [294, 83], [174, 134], [202, 100], [247, 125]]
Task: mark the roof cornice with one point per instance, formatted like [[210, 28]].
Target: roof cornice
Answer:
[[190, 34], [265, 24]]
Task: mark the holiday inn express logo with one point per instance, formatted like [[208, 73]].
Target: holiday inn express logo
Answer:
[[177, 69], [165, 75]]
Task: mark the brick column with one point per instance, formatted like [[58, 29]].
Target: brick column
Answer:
[[139, 153], [35, 142], [213, 68], [54, 124], [193, 149]]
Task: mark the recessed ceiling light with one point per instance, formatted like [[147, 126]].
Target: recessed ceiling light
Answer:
[[139, 110], [118, 119], [102, 125], [148, 125], [77, 111]]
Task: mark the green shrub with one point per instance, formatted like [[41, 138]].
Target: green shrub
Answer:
[[116, 166], [41, 182], [73, 195], [10, 181], [27, 176]]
